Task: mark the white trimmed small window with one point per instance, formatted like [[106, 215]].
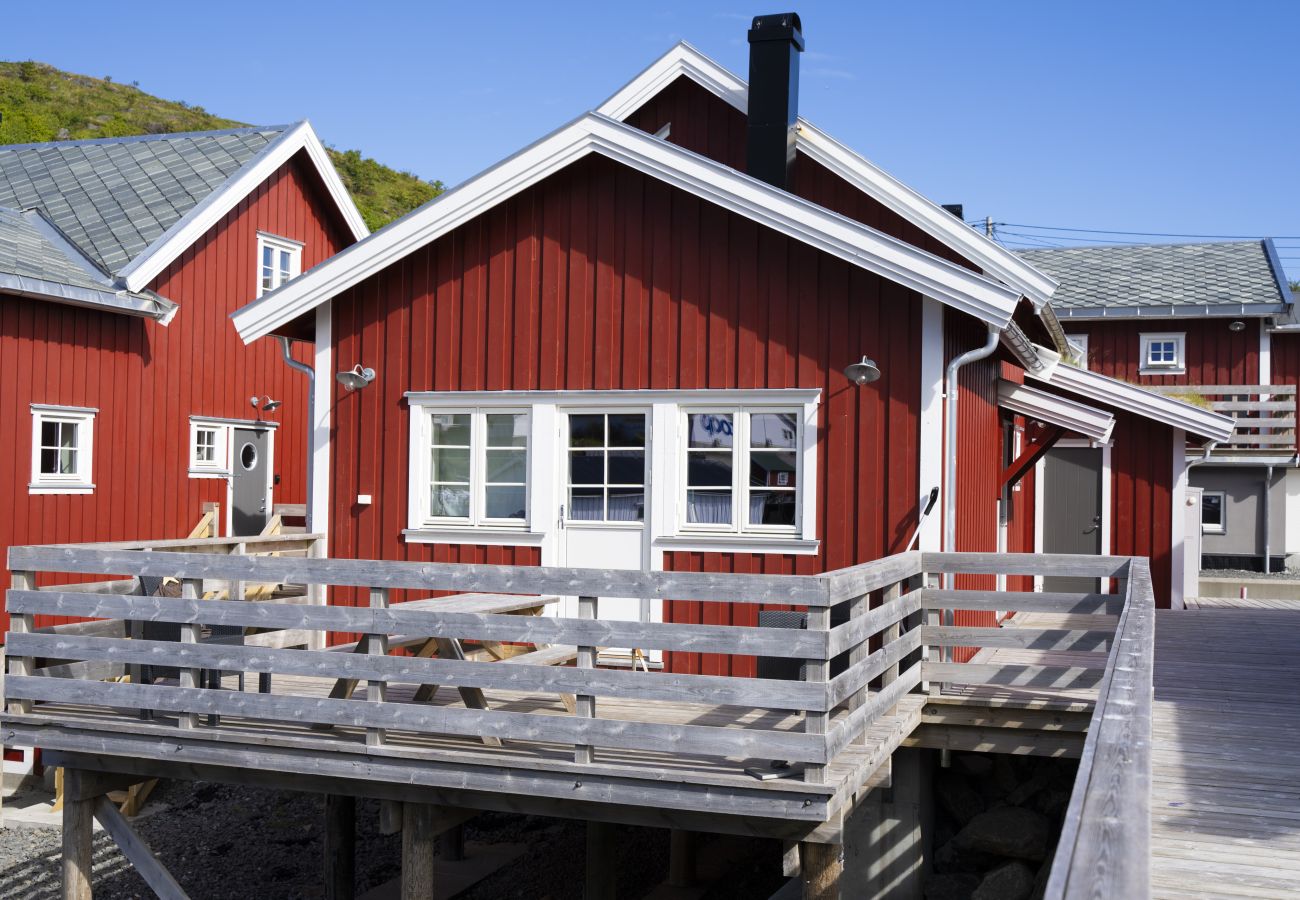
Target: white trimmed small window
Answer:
[[743, 470], [1162, 354], [209, 447], [278, 260], [1214, 512], [471, 468], [1080, 343], [63, 442]]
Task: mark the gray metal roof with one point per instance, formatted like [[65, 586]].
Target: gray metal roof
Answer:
[[1232, 278], [112, 197]]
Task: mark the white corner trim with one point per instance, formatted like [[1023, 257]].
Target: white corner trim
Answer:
[[193, 225], [934, 220], [318, 492], [1094, 424], [1178, 519], [1265, 355], [836, 235], [930, 468]]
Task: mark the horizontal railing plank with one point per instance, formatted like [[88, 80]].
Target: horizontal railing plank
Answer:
[[1095, 641], [1066, 564], [805, 590], [517, 674], [1013, 601], [787, 643], [696, 739], [856, 722], [1045, 677], [863, 672], [855, 581], [855, 631]]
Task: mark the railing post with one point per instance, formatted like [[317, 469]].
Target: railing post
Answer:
[[22, 623], [585, 703], [932, 617], [377, 645], [817, 671], [189, 678], [858, 607], [316, 594], [237, 590], [893, 594]]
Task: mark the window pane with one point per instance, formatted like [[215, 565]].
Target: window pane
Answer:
[[586, 467], [506, 502], [67, 434], [773, 430], [771, 507], [711, 507], [49, 434], [268, 279], [710, 429], [67, 461], [268, 257], [285, 268], [772, 469], [507, 465], [450, 501], [708, 469], [451, 429], [626, 504], [587, 430], [627, 467], [450, 465], [627, 430], [49, 461], [1212, 509], [507, 430], [587, 504]]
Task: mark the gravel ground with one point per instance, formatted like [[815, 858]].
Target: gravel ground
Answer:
[[222, 841], [1249, 575]]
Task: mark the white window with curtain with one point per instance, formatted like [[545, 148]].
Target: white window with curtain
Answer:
[[63, 442], [742, 470], [279, 259], [470, 468], [607, 466]]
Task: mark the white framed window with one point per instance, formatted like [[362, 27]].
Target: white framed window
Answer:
[[1162, 354], [209, 447], [63, 446], [470, 468], [1214, 512], [742, 470], [278, 260], [1080, 343], [606, 466]]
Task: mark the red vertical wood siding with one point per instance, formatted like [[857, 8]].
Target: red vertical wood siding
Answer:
[[602, 278], [1284, 362], [1142, 496], [1214, 355], [147, 380]]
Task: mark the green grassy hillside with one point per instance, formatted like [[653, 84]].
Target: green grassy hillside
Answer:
[[42, 103]]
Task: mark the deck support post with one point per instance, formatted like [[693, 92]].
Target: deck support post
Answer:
[[78, 837], [452, 844], [340, 846], [821, 866], [681, 857], [418, 843], [886, 837], [602, 862]]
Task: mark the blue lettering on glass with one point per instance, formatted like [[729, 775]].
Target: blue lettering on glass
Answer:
[[717, 425]]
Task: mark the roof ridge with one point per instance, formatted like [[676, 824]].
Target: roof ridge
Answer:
[[137, 138]]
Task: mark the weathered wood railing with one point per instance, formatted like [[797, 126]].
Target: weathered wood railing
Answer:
[[1265, 414]]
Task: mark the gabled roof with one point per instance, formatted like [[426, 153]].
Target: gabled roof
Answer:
[[1237, 278], [934, 220], [132, 205], [837, 235]]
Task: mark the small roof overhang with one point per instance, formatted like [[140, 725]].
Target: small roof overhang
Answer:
[[1094, 424]]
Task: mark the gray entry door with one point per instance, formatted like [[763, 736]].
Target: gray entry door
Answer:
[[251, 465], [1071, 497]]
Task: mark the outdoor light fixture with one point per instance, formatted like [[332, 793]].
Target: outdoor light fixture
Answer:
[[355, 378], [264, 403], [1238, 325], [861, 373]]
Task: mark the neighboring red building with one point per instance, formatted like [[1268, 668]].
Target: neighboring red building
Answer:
[[630, 346], [127, 396]]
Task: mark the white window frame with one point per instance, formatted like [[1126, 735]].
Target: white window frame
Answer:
[[81, 481], [419, 516], [280, 245], [1080, 341], [1222, 527], [1179, 364], [740, 487], [566, 449], [219, 466]]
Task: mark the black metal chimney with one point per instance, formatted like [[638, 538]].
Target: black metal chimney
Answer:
[[775, 43]]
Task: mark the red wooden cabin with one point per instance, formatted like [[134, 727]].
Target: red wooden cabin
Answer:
[[626, 347]]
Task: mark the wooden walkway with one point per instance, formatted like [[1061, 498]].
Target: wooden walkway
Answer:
[[1241, 603], [1225, 793]]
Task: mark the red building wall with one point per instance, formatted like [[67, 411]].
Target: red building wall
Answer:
[[1142, 482], [1215, 355], [147, 379], [602, 278]]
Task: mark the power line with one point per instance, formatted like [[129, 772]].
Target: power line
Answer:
[[1224, 237]]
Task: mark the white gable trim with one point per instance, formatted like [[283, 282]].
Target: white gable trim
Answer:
[[935, 221], [1095, 424], [837, 235], [1140, 401], [193, 225]]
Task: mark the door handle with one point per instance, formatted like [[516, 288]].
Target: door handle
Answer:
[[1096, 523]]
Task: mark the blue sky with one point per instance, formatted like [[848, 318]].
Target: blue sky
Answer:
[[1145, 115]]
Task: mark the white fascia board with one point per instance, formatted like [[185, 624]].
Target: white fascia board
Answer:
[[1095, 424], [1140, 401], [934, 220], [193, 225], [837, 235], [74, 295]]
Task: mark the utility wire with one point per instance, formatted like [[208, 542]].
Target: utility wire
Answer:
[[1226, 237]]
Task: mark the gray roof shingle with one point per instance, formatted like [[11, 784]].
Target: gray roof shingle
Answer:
[[1163, 279]]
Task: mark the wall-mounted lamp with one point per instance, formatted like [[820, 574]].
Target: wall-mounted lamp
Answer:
[[355, 378], [1238, 325], [264, 404], [861, 373]]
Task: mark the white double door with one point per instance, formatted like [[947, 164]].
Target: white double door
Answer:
[[605, 497]]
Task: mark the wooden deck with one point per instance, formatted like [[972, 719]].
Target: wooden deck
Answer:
[[1225, 793], [1242, 603]]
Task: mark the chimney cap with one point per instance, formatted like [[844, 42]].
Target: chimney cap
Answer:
[[777, 27]]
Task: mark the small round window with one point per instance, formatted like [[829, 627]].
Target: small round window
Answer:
[[248, 457]]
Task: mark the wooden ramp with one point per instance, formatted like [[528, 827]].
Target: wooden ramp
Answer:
[[1225, 793]]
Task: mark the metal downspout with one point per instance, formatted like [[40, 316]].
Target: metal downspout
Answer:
[[311, 418], [950, 434]]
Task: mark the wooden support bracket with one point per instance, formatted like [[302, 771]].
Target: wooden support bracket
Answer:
[[1043, 442]]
